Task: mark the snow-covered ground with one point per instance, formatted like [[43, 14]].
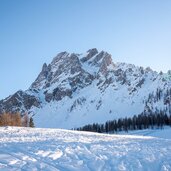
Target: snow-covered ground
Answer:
[[32, 149], [160, 133]]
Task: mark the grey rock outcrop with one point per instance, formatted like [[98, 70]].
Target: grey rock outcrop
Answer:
[[90, 54], [19, 102]]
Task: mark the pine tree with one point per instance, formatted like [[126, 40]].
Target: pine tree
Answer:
[[31, 123]]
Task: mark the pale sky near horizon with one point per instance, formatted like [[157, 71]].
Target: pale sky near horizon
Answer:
[[33, 32]]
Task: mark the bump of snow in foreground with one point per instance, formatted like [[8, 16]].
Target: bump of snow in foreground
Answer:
[[55, 149]]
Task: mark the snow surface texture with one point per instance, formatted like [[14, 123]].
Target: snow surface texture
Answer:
[[160, 133], [62, 150], [79, 89]]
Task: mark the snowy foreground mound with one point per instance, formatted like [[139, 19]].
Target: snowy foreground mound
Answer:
[[55, 149]]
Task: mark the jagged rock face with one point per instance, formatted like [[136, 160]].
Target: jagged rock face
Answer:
[[44, 75], [19, 102], [58, 94], [77, 89], [90, 54], [106, 62], [62, 68], [65, 70]]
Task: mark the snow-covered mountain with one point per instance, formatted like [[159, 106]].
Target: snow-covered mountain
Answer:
[[77, 89]]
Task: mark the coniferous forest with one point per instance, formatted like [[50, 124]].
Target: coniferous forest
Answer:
[[139, 122]]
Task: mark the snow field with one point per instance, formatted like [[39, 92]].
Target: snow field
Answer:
[[55, 149]]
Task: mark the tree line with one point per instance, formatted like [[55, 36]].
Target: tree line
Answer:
[[142, 121], [15, 119]]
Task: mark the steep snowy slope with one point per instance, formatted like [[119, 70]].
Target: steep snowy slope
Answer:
[[54, 149], [77, 89]]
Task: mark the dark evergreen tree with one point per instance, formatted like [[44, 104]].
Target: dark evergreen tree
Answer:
[[31, 123]]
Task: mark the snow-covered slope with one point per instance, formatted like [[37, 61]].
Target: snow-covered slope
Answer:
[[61, 150], [78, 89]]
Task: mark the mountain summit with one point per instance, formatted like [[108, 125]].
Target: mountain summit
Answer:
[[78, 89]]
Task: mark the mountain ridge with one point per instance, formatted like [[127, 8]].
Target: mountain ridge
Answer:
[[77, 89]]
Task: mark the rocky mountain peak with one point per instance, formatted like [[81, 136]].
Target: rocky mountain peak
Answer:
[[92, 51], [44, 67], [41, 77], [70, 64], [90, 54], [59, 56]]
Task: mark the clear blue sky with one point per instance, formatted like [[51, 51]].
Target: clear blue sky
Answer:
[[34, 31]]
